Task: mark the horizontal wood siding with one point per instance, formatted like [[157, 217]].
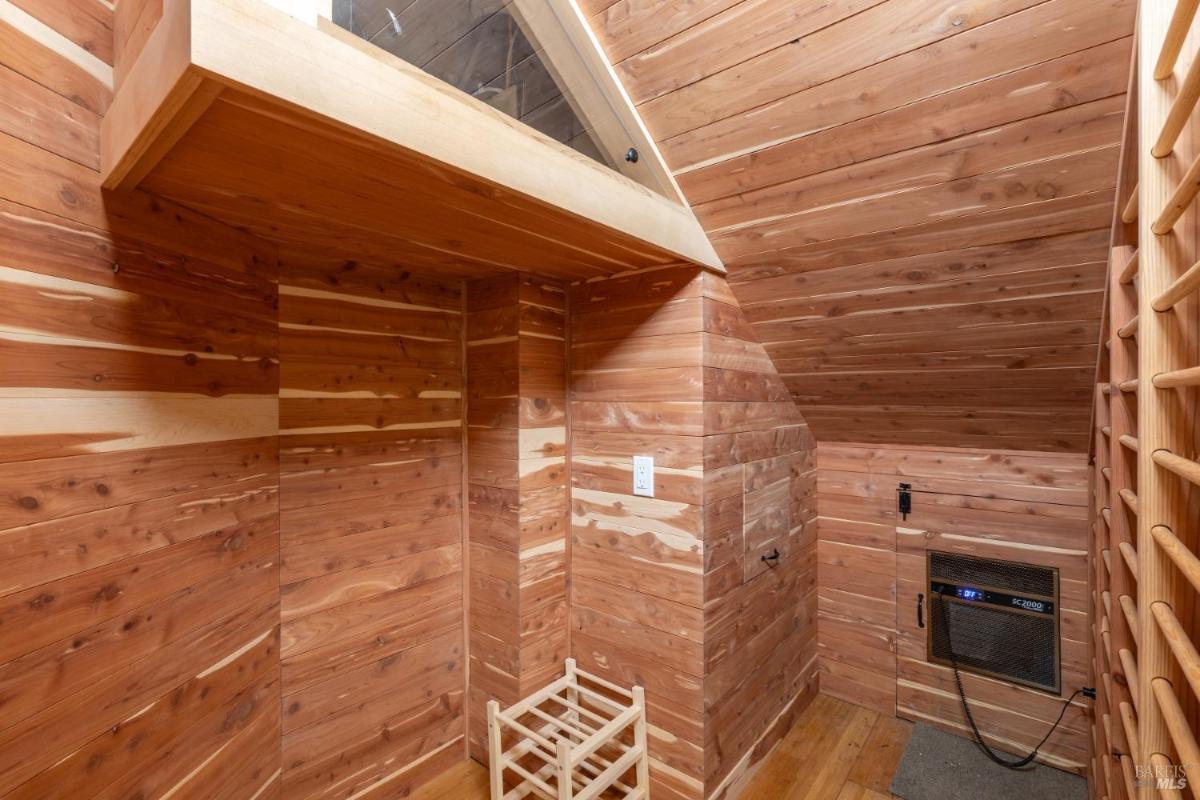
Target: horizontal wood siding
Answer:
[[517, 490], [1027, 507], [910, 196], [371, 561], [139, 555], [760, 612], [637, 563], [671, 592]]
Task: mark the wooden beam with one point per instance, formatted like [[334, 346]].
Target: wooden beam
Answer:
[[158, 102], [326, 75], [573, 57]]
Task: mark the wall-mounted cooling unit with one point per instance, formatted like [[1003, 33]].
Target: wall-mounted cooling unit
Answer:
[[1000, 618]]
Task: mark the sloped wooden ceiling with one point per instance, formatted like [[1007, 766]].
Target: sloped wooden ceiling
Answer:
[[912, 197]]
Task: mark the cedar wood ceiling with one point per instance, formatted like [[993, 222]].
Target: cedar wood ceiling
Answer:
[[912, 197]]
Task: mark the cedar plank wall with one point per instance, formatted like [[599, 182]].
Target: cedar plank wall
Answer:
[[670, 591], [912, 197], [517, 491], [134, 21], [142, 361], [370, 527], [139, 585], [1020, 506]]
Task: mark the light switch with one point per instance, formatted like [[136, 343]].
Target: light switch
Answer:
[[643, 476]]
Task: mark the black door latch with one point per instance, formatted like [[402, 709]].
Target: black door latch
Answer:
[[772, 556], [904, 498]]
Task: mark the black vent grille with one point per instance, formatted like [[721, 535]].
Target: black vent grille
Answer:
[[993, 639], [1008, 576]]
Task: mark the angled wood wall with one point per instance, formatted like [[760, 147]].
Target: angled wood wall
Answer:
[[912, 197], [760, 500], [139, 617], [1027, 507], [670, 591], [370, 527], [516, 477]]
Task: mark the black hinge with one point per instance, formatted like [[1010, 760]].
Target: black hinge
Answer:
[[904, 499]]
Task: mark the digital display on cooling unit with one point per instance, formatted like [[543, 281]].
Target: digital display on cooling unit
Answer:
[[972, 594]]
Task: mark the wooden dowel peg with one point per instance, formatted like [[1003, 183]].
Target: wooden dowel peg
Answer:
[[1181, 198], [1183, 467], [1178, 378], [1130, 500], [1129, 610], [1129, 329], [1180, 643], [1129, 555], [1180, 288], [1129, 214], [1181, 110], [1177, 727], [1183, 558], [1130, 269], [1177, 31]]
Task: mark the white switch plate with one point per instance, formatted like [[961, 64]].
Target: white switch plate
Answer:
[[643, 476]]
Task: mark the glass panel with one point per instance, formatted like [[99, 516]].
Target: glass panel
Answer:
[[522, 57]]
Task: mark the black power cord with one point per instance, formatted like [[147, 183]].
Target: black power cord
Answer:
[[962, 695]]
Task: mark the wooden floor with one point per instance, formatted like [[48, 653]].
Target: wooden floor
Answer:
[[836, 751]]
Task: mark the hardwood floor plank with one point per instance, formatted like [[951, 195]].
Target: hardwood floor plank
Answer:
[[881, 755]]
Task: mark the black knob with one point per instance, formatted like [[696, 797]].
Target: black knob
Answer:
[[631, 155]]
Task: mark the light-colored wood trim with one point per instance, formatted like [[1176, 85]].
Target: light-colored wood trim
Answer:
[[159, 100], [261, 50], [582, 72]]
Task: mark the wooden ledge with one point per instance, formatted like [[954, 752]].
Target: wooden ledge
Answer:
[[311, 137]]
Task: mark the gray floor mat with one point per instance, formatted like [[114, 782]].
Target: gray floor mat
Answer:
[[940, 766]]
